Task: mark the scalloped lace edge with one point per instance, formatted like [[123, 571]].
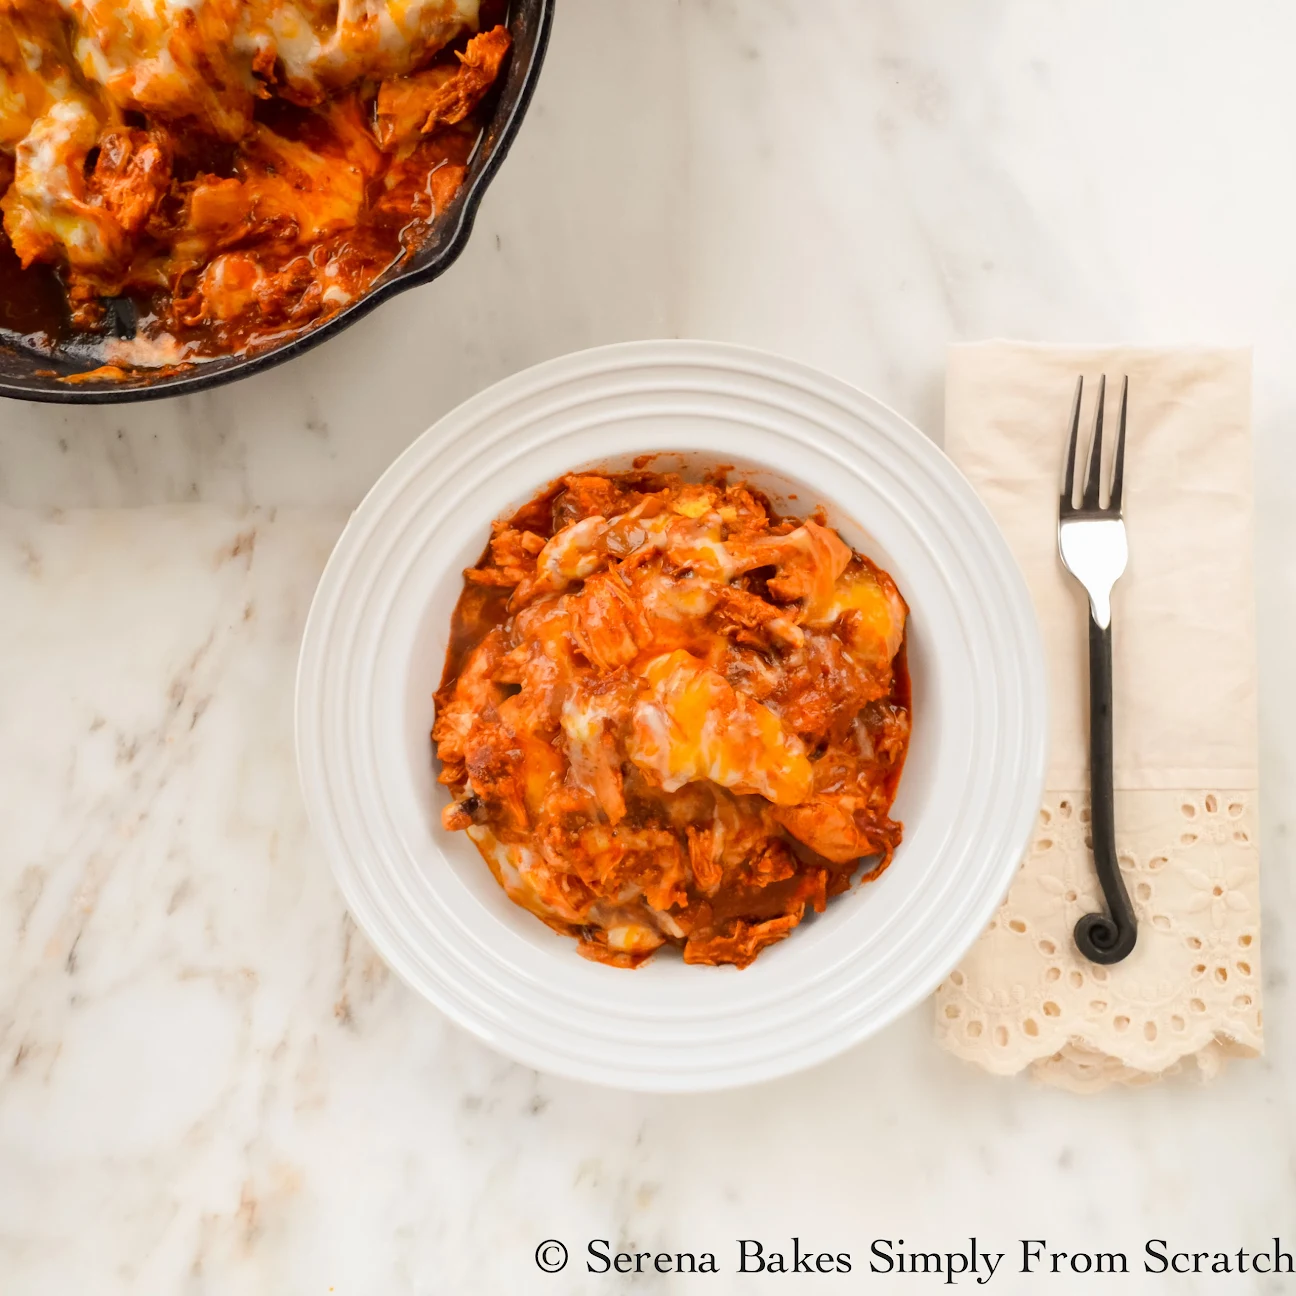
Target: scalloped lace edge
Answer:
[[1025, 1000]]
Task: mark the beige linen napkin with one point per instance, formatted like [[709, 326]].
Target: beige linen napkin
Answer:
[[1184, 711]]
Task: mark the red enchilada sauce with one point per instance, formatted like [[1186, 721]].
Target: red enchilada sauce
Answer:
[[670, 716], [182, 238]]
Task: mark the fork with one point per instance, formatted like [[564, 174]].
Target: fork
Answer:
[[1094, 549]]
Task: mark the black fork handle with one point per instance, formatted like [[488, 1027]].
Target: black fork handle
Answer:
[[1109, 937]]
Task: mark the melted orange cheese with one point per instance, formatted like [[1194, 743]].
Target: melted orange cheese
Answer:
[[220, 161], [671, 716], [691, 724]]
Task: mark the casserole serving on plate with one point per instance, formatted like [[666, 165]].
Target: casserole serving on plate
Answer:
[[373, 656]]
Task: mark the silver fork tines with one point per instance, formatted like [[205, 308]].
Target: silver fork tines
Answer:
[[1091, 540]]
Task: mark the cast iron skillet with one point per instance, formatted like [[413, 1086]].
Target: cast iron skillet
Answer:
[[529, 22]]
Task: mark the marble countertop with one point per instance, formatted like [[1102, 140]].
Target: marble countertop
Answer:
[[208, 1081]]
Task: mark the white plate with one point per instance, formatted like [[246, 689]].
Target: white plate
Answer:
[[375, 645]]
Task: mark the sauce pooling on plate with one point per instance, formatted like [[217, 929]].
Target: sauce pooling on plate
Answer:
[[671, 716]]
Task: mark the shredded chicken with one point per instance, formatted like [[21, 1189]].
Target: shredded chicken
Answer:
[[441, 96], [671, 717]]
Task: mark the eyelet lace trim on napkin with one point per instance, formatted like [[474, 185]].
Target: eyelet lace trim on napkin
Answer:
[[1024, 996]]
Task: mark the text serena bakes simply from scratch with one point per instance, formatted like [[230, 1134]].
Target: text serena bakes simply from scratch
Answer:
[[973, 1262]]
